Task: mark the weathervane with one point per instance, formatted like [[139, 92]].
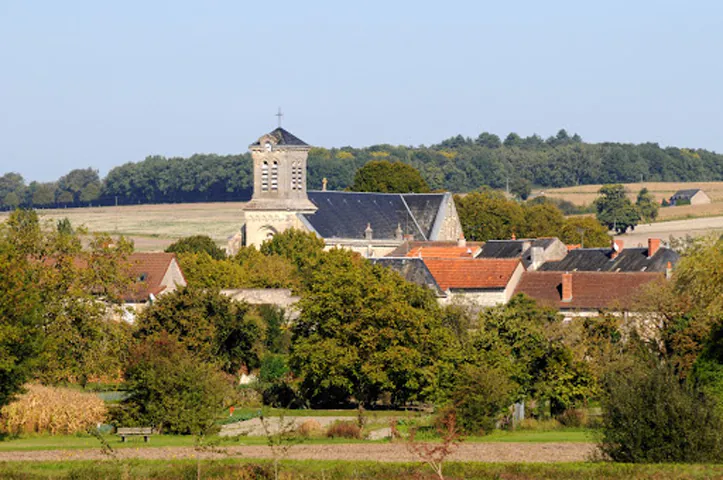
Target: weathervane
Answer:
[[279, 115]]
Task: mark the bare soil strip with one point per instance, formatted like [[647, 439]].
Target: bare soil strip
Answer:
[[469, 452]]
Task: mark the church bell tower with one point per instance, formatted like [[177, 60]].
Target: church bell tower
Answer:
[[279, 164]]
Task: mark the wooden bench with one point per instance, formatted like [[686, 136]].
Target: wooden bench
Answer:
[[145, 432]]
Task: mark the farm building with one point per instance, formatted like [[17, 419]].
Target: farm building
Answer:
[[693, 196]]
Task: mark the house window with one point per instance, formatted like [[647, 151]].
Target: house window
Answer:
[[275, 176], [265, 177]]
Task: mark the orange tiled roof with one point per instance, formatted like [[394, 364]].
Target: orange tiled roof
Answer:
[[465, 273], [443, 252], [147, 270], [590, 290]]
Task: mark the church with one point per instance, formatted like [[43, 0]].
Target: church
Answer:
[[372, 224]]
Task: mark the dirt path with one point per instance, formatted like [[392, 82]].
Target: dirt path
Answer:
[[478, 452]]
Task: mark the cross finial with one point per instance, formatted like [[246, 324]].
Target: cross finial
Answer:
[[279, 115]]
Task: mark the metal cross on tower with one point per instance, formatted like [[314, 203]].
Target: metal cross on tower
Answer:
[[279, 115]]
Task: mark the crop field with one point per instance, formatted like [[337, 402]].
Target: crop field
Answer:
[[586, 194], [154, 227]]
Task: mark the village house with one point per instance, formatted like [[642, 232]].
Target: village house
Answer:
[[693, 196], [372, 224], [154, 274], [617, 258], [586, 294], [533, 252]]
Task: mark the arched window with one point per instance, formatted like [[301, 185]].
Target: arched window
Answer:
[[296, 176], [274, 176], [265, 177]]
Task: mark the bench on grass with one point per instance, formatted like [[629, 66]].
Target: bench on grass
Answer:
[[145, 432]]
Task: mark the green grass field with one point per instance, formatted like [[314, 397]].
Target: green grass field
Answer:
[[245, 469]]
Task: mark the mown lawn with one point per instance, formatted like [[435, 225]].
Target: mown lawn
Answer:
[[240, 468]]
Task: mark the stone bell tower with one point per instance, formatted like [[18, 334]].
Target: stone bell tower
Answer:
[[279, 164]]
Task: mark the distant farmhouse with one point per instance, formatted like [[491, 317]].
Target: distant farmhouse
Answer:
[[693, 196], [372, 224]]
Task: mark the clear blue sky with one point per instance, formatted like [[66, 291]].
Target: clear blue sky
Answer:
[[95, 83]]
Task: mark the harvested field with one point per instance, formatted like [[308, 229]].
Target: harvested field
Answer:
[[695, 227], [585, 194]]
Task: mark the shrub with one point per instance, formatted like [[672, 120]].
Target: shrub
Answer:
[[649, 415], [573, 417], [343, 430], [197, 244], [480, 397], [57, 411], [171, 389], [309, 428], [539, 425]]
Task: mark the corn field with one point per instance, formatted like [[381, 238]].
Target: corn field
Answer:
[[56, 411]]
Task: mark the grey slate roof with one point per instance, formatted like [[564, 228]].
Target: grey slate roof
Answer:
[[284, 137], [598, 260], [412, 269], [346, 214], [689, 193], [513, 248]]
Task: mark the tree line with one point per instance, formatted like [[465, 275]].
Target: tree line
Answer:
[[458, 164]]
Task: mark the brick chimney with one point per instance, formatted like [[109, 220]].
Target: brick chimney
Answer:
[[653, 246], [668, 271], [617, 248], [461, 241], [567, 287]]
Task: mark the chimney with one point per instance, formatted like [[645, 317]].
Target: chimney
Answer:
[[617, 248], [514, 237], [461, 242], [324, 181], [409, 237], [398, 233], [567, 287], [668, 271], [536, 257], [368, 232], [653, 246]]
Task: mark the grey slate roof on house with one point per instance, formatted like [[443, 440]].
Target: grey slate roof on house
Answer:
[[346, 214], [599, 260], [412, 269], [689, 193], [284, 137], [514, 248]]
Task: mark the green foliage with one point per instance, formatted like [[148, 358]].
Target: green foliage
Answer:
[[171, 389], [649, 416], [303, 249], [521, 188], [615, 210], [586, 231], [488, 215], [481, 397], [387, 177], [273, 368], [363, 331], [527, 342], [647, 206], [197, 244], [215, 328]]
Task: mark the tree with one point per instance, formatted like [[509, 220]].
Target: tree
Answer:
[[527, 342], [513, 140], [387, 177], [647, 206], [20, 315], [363, 331], [650, 416], [171, 389], [488, 140], [543, 220], [83, 185], [488, 215], [586, 231], [521, 187], [197, 244], [12, 190], [615, 210], [216, 329], [303, 249], [480, 397], [41, 194]]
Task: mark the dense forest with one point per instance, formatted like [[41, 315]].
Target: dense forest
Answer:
[[458, 164]]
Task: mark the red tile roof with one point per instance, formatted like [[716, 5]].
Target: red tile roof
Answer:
[[409, 245], [147, 270], [465, 273], [590, 290]]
